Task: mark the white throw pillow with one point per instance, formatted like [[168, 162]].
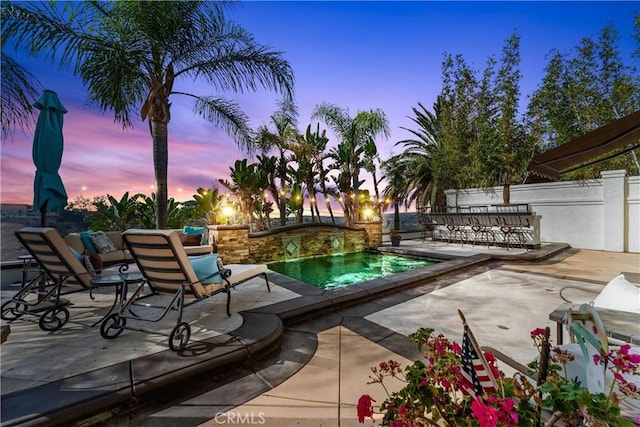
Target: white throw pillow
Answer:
[[619, 294], [102, 242]]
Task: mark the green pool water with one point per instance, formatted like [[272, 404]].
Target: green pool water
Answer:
[[340, 270]]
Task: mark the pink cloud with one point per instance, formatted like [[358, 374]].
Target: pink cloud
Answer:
[[101, 158]]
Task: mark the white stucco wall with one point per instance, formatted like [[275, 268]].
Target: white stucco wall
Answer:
[[633, 213], [602, 214]]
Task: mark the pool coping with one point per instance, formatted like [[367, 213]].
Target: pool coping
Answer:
[[111, 388]]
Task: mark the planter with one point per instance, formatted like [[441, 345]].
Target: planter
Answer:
[[395, 240]]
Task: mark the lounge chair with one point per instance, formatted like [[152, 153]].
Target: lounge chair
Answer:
[[168, 271], [240, 273], [60, 273]]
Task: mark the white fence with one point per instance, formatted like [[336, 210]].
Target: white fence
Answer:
[[600, 214]]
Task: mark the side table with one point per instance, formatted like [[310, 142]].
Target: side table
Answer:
[[121, 281]]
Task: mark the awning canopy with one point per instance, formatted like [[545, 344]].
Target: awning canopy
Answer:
[[617, 134]]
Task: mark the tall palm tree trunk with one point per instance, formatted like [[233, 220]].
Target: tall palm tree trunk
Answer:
[[283, 199], [396, 215], [159, 135]]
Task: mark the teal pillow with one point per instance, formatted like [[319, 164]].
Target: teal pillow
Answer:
[[85, 236], [77, 254], [196, 230], [206, 268]]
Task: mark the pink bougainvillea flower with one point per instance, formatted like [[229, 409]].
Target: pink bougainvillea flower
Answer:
[[508, 407], [486, 415], [619, 377], [537, 332], [634, 358], [456, 348], [365, 407]]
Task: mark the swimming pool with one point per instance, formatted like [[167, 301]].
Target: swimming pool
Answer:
[[340, 270]]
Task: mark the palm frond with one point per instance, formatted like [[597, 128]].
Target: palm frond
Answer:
[[226, 114]]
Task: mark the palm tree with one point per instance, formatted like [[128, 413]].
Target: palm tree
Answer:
[[245, 185], [340, 156], [425, 158], [397, 189], [128, 55], [354, 133], [309, 154], [285, 122], [318, 144], [370, 158]]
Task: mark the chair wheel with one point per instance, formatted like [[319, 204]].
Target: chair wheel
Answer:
[[12, 310], [53, 319], [179, 337], [112, 326]]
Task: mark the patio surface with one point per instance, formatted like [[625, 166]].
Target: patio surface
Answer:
[[319, 345]]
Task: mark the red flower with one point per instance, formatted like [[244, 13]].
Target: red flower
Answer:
[[537, 332], [486, 415], [456, 348], [365, 408]]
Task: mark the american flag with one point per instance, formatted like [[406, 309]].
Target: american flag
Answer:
[[474, 367]]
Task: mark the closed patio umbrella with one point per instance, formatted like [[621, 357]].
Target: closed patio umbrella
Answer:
[[48, 191]]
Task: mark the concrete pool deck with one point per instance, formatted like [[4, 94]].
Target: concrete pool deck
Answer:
[[319, 345]]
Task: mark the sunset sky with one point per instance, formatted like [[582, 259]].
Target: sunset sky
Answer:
[[358, 55]]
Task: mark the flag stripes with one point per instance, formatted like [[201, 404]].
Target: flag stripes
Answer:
[[474, 367]]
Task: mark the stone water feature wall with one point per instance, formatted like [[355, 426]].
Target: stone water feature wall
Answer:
[[236, 245]]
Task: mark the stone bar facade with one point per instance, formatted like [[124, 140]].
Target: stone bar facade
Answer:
[[236, 245]]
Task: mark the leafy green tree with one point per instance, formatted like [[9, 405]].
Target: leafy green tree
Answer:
[[177, 214], [354, 133], [584, 89], [129, 54], [208, 205], [457, 110], [113, 214], [500, 152]]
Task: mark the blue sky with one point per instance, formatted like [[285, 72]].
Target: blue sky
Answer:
[[358, 55]]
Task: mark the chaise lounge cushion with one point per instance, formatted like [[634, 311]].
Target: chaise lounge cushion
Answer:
[[619, 294], [242, 272], [76, 241]]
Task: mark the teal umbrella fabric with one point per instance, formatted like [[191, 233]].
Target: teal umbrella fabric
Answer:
[[48, 191]]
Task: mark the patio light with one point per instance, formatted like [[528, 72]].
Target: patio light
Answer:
[[227, 211], [367, 213]]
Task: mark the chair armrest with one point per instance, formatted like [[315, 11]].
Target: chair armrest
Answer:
[[523, 369]]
